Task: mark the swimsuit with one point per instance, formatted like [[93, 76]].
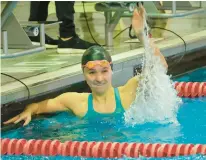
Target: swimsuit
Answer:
[[92, 113]]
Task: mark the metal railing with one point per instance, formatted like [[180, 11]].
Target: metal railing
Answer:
[[6, 13], [8, 9], [126, 11]]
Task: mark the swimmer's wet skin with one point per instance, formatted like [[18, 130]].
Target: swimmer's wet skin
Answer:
[[97, 70]]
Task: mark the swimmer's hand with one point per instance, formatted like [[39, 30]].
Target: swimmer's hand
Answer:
[[138, 20], [25, 116]]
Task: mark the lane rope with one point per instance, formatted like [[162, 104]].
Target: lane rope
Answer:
[[191, 89], [97, 149]]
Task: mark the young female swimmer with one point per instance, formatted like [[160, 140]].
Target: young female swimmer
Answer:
[[97, 70]]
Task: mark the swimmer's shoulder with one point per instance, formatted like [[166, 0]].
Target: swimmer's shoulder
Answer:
[[130, 86], [79, 102], [127, 92]]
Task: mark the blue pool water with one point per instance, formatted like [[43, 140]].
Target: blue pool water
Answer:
[[64, 126]]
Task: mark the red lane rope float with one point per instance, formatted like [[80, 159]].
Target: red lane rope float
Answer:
[[97, 149], [191, 89]]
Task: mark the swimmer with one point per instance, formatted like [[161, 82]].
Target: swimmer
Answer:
[[104, 99]]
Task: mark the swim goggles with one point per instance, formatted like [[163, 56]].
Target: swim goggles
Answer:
[[92, 64]]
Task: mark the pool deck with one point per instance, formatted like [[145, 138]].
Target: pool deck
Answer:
[[48, 71]]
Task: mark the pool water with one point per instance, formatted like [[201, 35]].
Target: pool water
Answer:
[[198, 75], [64, 126]]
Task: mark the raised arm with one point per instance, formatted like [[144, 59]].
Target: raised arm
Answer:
[[63, 102], [138, 26]]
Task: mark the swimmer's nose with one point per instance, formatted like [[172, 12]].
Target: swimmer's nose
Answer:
[[99, 78]]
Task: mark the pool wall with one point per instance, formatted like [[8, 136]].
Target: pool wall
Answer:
[[124, 64]]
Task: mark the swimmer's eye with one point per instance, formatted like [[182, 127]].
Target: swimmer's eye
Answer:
[[105, 71], [92, 72]]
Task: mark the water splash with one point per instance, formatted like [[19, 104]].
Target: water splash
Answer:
[[156, 99]]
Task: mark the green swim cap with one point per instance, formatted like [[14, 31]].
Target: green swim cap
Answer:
[[96, 53]]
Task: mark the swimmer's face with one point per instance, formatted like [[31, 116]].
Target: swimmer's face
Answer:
[[98, 76]]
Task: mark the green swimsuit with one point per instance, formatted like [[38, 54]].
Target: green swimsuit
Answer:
[[92, 113]]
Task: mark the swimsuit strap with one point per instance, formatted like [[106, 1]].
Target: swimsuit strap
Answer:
[[119, 107], [90, 104]]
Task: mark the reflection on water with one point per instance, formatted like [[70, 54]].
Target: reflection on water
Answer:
[[198, 75], [64, 126]]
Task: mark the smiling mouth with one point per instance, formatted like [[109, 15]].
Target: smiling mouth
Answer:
[[99, 85]]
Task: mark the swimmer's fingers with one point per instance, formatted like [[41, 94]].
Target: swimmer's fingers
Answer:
[[139, 14], [11, 120], [20, 118], [142, 12], [135, 14], [27, 121]]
